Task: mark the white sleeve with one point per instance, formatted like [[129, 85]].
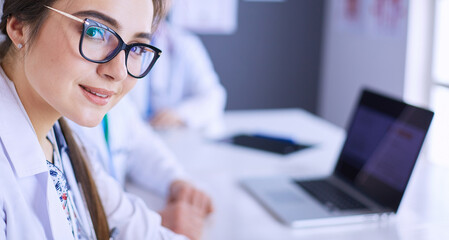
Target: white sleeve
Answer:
[[205, 96], [150, 163], [128, 213]]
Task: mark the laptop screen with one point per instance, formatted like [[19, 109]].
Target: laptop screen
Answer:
[[383, 142]]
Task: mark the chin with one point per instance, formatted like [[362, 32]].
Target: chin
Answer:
[[91, 124], [88, 121]]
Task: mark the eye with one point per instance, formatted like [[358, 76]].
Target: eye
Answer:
[[138, 50], [95, 33]]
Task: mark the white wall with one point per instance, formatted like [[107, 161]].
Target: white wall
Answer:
[[418, 73], [356, 58]]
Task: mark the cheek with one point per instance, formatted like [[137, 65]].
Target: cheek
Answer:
[[52, 60], [54, 52], [127, 85], [45, 74], [52, 76]]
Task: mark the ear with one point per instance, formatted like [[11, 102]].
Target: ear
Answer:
[[16, 31]]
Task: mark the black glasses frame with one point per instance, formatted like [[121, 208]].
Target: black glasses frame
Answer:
[[121, 46]]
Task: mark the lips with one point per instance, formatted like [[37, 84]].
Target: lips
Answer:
[[98, 96]]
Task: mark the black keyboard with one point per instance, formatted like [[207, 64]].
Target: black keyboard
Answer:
[[330, 195]]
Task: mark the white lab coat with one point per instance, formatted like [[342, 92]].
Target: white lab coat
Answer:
[[183, 80], [29, 205], [138, 154]]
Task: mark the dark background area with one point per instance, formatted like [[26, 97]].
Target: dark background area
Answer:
[[273, 59]]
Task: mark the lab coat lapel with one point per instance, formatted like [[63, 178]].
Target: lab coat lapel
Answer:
[[28, 159], [17, 134]]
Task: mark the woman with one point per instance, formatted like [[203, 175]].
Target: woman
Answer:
[[62, 58]]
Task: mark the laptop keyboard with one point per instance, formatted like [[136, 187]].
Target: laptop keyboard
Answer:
[[330, 196]]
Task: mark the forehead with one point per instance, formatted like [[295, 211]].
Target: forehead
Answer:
[[132, 16]]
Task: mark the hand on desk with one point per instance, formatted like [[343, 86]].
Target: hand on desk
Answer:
[[166, 119], [186, 210]]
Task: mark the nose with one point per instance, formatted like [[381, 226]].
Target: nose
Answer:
[[114, 69]]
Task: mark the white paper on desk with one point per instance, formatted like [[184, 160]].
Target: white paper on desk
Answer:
[[206, 16]]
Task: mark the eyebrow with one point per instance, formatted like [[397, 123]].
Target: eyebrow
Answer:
[[110, 21], [148, 36], [99, 15]]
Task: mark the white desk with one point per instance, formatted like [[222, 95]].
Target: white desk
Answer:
[[217, 168]]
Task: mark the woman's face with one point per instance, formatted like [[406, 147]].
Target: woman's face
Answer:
[[74, 87]]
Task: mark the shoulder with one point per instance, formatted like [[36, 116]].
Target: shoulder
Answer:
[[125, 113], [183, 38], [180, 32]]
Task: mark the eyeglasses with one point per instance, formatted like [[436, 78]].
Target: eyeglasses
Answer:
[[100, 44]]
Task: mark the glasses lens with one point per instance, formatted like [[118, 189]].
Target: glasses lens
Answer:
[[140, 58], [99, 43]]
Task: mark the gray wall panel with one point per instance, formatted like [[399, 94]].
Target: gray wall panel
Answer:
[[273, 59]]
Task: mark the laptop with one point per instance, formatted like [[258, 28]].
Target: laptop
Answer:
[[383, 142]]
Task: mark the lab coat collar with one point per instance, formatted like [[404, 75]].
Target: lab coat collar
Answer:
[[17, 133], [25, 154]]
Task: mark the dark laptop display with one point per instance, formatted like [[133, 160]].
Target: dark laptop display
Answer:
[[382, 144], [381, 148]]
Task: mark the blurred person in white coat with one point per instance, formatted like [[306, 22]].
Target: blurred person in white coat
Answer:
[[131, 152], [184, 89]]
